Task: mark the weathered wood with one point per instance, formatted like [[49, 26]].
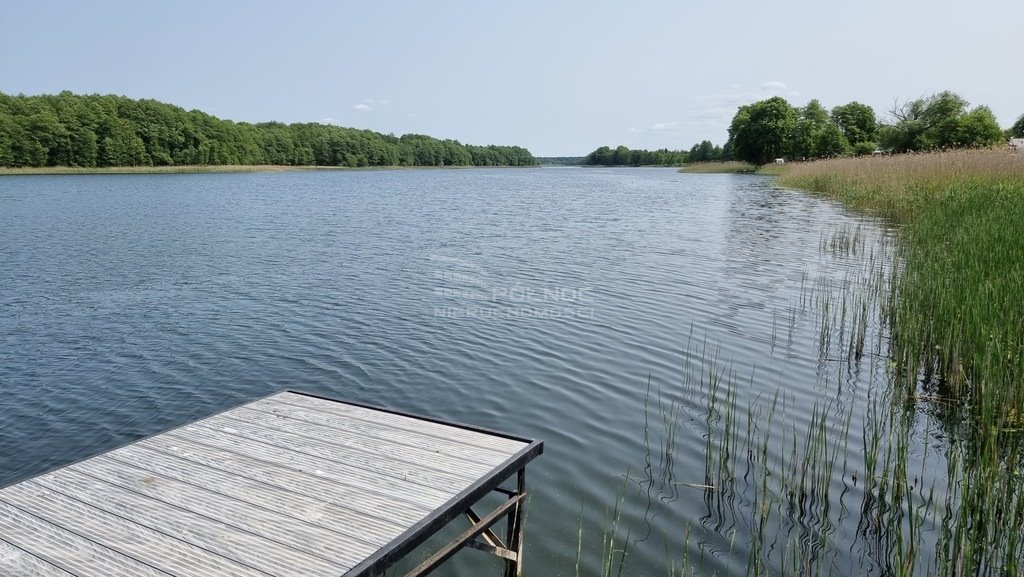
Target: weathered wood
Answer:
[[115, 548], [431, 456], [70, 497], [15, 562], [353, 426], [374, 509], [290, 532], [319, 442], [402, 422], [393, 489], [288, 486], [360, 527]]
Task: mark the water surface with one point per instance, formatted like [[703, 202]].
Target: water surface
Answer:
[[543, 302]]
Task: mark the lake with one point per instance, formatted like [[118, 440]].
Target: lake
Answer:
[[563, 304]]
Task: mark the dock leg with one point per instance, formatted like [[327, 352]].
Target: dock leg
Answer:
[[514, 537]]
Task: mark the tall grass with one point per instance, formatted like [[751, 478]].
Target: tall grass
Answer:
[[718, 167], [956, 316], [958, 306], [922, 473]]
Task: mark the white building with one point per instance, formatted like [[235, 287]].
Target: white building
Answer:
[[1017, 144]]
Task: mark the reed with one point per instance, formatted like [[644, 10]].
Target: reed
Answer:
[[719, 167], [897, 478], [958, 304]]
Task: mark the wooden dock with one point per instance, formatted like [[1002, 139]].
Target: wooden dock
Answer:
[[291, 485]]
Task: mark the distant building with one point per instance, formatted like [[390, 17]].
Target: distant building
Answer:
[[1017, 144]]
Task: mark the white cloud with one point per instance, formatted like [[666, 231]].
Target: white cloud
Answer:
[[327, 120], [660, 128], [362, 107], [720, 108]]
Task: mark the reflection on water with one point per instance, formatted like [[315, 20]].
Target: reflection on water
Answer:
[[636, 320]]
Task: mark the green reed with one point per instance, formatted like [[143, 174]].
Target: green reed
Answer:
[[730, 166], [933, 487]]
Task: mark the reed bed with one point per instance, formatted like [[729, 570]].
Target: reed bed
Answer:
[[921, 471], [719, 167], [958, 304]]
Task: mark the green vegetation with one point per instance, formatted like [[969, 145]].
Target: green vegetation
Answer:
[[961, 297], [559, 160], [1017, 130], [941, 121], [771, 128], [956, 312], [901, 477], [734, 166], [622, 156], [112, 131], [703, 151]]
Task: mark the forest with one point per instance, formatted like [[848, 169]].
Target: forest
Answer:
[[773, 128], [114, 131], [623, 156]]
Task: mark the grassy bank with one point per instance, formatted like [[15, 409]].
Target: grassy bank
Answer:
[[916, 465], [956, 316], [959, 311]]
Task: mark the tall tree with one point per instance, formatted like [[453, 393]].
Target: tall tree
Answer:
[[762, 131], [940, 121], [857, 122], [1017, 130], [92, 130]]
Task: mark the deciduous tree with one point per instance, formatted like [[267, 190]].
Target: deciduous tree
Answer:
[[762, 131]]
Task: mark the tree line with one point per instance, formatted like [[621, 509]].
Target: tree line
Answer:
[[623, 156], [106, 130], [703, 151], [772, 128]]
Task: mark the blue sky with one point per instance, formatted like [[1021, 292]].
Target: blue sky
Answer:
[[560, 78]]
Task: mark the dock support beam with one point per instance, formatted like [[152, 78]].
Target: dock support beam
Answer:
[[510, 549]]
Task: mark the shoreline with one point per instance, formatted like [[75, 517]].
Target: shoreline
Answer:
[[210, 169]]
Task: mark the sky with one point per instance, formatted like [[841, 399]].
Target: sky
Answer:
[[560, 78]]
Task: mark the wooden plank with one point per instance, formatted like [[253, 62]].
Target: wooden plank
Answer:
[[391, 490], [108, 513], [288, 486], [15, 562], [310, 539], [355, 427], [401, 444], [352, 524], [369, 505], [135, 550], [385, 459], [441, 431]]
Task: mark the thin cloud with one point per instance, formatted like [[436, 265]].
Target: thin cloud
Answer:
[[327, 120], [720, 108], [660, 128], [362, 107]]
